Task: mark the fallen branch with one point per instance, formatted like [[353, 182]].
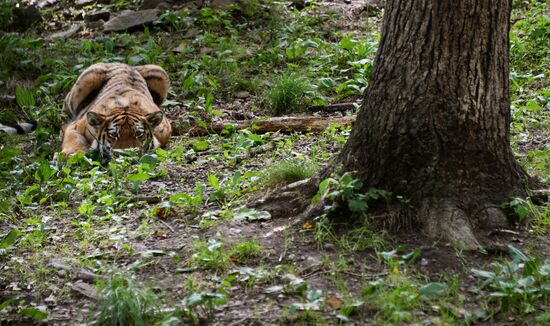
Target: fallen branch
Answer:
[[333, 107], [281, 124]]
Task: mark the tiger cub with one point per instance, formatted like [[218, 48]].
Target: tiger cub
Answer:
[[113, 105]]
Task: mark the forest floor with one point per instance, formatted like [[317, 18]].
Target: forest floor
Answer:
[[171, 237]]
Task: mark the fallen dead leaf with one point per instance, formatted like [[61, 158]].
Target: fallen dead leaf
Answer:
[[334, 302], [161, 212], [161, 234]]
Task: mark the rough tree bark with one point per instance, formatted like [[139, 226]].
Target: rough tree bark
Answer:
[[434, 126]]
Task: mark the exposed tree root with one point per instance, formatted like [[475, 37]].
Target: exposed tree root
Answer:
[[443, 218], [290, 200]]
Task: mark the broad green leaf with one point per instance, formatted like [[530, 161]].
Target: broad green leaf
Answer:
[[10, 238], [236, 177], [310, 43], [358, 205], [6, 303], [411, 255], [141, 176], [387, 255], [517, 254], [150, 159], [312, 295], [346, 43], [482, 273], [274, 289], [193, 300], [432, 290], [213, 181], [323, 187], [526, 281], [152, 253], [251, 214], [33, 313], [327, 82], [200, 145], [44, 172]]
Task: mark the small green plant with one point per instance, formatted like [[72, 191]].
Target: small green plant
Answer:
[[521, 285], [289, 94], [518, 206], [8, 240], [246, 251], [394, 301], [288, 172], [302, 318], [298, 49], [210, 255], [199, 306], [125, 302], [191, 203], [344, 192]]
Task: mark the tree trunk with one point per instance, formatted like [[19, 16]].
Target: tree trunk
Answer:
[[434, 126]]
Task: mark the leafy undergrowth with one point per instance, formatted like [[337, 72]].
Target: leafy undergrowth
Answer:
[[167, 238]]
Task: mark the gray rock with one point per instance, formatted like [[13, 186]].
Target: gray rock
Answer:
[[131, 19], [97, 25], [68, 33], [150, 4], [164, 6], [97, 15], [46, 3], [82, 3], [242, 94], [221, 4]]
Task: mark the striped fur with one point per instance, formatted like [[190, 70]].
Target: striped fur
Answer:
[[113, 105], [19, 128]]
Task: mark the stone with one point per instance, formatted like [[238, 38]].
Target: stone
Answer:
[[131, 19], [97, 15], [46, 3], [68, 33], [190, 33], [82, 3], [97, 25], [242, 94], [221, 4], [151, 4], [180, 48], [164, 6]]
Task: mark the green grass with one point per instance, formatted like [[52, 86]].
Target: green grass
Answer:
[[289, 94], [288, 172], [210, 255], [126, 302], [246, 251]]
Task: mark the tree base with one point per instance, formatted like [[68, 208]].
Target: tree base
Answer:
[[441, 219]]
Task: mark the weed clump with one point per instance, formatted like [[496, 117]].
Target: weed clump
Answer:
[[125, 302], [288, 95], [288, 172]]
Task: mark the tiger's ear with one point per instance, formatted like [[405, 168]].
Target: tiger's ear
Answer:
[[157, 81], [86, 88], [155, 118], [95, 119]]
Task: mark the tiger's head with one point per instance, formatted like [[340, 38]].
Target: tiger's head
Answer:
[[124, 128]]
